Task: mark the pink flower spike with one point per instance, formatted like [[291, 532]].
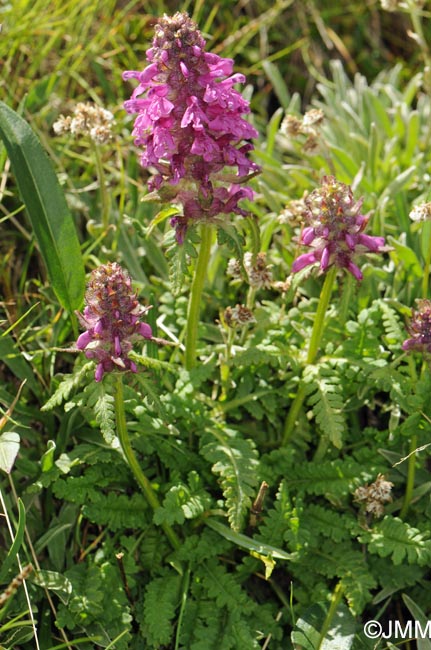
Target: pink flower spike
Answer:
[[334, 228], [112, 318], [190, 122]]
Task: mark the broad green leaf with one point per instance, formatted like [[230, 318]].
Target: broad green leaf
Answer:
[[309, 632], [54, 582], [46, 207], [9, 448]]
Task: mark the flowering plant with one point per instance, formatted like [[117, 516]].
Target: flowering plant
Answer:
[[334, 229], [190, 124], [112, 319]]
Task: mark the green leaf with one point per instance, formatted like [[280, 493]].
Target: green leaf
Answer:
[[16, 545], [46, 207], [249, 543], [13, 358], [54, 582], [420, 619], [161, 216], [235, 460], [307, 633], [402, 542], [9, 448]]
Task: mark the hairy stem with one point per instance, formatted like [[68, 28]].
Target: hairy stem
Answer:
[[196, 295], [316, 337], [132, 461]]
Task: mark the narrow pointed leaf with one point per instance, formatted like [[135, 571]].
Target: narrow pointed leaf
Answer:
[[46, 207]]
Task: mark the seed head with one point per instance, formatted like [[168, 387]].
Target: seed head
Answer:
[[88, 120]]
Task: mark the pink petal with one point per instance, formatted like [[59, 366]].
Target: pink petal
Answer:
[[145, 330], [303, 260], [83, 340]]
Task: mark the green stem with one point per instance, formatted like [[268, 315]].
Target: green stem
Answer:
[[132, 461], [104, 197], [325, 296], [411, 472], [425, 279], [196, 295], [316, 337], [336, 598]]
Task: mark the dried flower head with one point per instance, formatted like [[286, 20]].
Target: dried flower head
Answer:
[[308, 125], [112, 320], [293, 213], [88, 120], [190, 125], [335, 229], [420, 329], [421, 212], [238, 316], [233, 268], [373, 497], [259, 272]]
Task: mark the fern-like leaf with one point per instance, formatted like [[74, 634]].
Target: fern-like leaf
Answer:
[[326, 399], [235, 460], [394, 537], [336, 478], [183, 502], [223, 588], [228, 235], [66, 386], [395, 333], [99, 400], [160, 603], [178, 258]]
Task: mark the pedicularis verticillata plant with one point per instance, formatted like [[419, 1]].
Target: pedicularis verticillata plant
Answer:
[[334, 229], [269, 490], [112, 318], [190, 124], [191, 128]]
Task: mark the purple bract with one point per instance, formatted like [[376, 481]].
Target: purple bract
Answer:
[[190, 124], [334, 229], [111, 320]]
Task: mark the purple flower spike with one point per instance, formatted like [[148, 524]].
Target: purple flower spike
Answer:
[[420, 329], [334, 228], [111, 319], [190, 125]]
